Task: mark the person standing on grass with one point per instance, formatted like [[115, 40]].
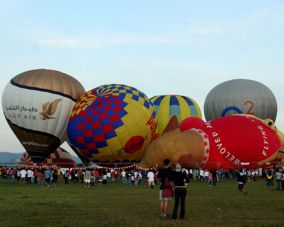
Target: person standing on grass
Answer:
[[35, 176], [10, 175], [165, 175], [123, 177], [180, 180], [277, 176], [269, 179], [30, 175], [214, 176], [242, 179], [47, 176], [23, 175], [87, 178], [282, 179], [66, 177], [151, 179]]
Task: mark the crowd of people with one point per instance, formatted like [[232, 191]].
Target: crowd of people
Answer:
[[172, 180], [128, 175]]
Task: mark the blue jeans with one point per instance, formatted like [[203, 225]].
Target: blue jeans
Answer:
[[269, 183]]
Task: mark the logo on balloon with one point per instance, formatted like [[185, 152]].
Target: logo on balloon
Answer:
[[49, 109], [235, 109]]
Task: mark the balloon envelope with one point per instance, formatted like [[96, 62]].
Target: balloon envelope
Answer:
[[225, 142], [112, 123], [167, 106], [37, 105], [59, 157], [240, 96]]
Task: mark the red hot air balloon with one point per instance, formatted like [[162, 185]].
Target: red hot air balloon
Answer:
[[226, 142]]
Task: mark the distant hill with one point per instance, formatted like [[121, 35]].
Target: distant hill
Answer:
[[7, 157], [12, 158]]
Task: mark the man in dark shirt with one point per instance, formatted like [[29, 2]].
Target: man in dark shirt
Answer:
[[214, 176], [242, 179], [166, 176]]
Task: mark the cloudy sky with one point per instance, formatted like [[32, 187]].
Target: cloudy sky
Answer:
[[160, 47]]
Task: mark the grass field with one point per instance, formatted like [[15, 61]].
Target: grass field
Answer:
[[123, 205]]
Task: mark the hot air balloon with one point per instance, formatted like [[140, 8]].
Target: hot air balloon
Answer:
[[112, 123], [26, 159], [227, 142], [240, 96], [37, 105], [59, 157], [167, 106]]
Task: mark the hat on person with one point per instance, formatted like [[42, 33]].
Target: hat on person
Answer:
[[178, 167]]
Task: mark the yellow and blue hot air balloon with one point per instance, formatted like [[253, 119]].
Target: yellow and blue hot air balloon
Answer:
[[112, 123], [167, 106]]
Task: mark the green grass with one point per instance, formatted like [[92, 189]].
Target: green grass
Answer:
[[122, 205]]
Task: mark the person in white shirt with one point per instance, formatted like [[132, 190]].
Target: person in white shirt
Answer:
[[30, 175], [23, 175], [206, 176], [123, 177], [201, 175], [151, 179]]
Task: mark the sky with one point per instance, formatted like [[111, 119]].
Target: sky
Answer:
[[183, 47]]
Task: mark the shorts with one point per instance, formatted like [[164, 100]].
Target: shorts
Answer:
[[151, 182], [87, 180], [164, 198]]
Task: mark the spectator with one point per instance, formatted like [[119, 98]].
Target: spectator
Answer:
[[179, 179], [123, 177], [282, 179], [166, 176], [87, 178], [66, 177], [30, 175], [269, 179], [35, 176], [47, 176], [23, 175], [242, 179], [151, 179]]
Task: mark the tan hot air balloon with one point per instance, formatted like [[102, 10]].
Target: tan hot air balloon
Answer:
[[37, 105]]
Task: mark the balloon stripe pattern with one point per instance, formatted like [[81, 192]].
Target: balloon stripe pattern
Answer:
[[167, 106], [59, 157], [105, 118]]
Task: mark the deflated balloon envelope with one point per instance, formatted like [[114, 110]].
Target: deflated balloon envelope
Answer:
[[59, 157], [112, 123], [37, 105], [227, 142]]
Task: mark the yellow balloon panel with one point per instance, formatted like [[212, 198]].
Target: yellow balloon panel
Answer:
[[114, 123], [167, 106]]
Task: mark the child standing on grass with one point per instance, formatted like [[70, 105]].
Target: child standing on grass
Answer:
[[269, 179]]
